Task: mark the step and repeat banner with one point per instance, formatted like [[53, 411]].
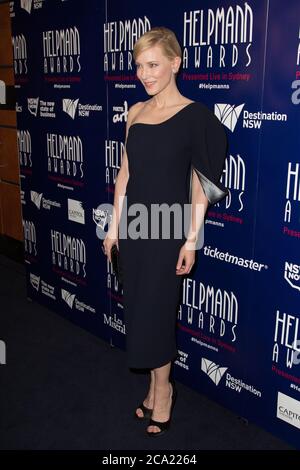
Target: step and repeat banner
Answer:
[[238, 320]]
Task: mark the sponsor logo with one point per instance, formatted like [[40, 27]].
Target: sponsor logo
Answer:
[[233, 259], [37, 198], [35, 281], [26, 5], [214, 371], [121, 113], [41, 286], [33, 104], [45, 108], [182, 360], [72, 301], [70, 106], [101, 217], [292, 274], [68, 297], [114, 322], [76, 211], [295, 97], [288, 409], [229, 114]]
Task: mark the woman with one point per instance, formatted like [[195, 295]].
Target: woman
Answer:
[[175, 150]]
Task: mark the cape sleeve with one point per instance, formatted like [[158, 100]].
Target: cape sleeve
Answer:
[[209, 147]]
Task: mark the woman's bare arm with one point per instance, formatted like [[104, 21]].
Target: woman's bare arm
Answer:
[[120, 188], [199, 204]]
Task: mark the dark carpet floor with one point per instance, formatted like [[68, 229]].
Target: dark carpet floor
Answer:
[[63, 388]]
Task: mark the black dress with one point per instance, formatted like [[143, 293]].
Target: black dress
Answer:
[[161, 157]]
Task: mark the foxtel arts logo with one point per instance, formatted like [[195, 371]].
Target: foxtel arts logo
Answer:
[[36, 198], [33, 104], [35, 281], [228, 114], [2, 352], [214, 371], [292, 274], [70, 106]]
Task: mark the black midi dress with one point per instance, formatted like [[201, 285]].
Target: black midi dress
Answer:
[[161, 158]]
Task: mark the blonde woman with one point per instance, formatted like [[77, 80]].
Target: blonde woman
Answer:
[[175, 151]]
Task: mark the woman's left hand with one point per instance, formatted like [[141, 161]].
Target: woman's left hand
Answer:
[[186, 259]]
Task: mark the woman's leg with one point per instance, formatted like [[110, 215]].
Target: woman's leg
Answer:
[[149, 400], [162, 396]]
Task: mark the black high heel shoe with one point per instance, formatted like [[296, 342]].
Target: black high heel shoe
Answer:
[[163, 426], [147, 412]]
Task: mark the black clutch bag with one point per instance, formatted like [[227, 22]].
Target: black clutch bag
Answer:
[[116, 263]]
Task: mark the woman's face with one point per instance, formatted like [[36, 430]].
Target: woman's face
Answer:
[[154, 69]]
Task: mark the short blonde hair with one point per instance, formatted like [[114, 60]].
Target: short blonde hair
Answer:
[[158, 36]]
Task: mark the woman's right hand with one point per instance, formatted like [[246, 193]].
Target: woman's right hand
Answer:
[[108, 242]]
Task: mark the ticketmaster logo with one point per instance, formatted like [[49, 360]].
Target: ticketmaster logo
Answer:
[[26, 5], [68, 297], [214, 371], [36, 198], [228, 114], [70, 106], [233, 259]]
